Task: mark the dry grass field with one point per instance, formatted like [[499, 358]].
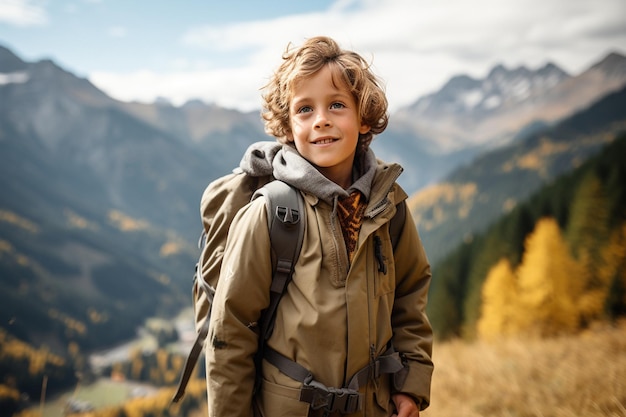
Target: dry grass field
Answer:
[[569, 376], [578, 375]]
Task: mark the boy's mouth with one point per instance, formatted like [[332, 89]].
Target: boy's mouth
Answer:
[[323, 141]]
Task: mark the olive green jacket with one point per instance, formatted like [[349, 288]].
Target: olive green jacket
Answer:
[[334, 319]]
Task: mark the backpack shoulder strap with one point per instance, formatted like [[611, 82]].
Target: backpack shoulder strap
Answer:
[[285, 210], [287, 221]]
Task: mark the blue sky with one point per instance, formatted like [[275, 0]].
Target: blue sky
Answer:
[[224, 51]]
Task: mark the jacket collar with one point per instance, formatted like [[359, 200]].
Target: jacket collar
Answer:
[[375, 178]]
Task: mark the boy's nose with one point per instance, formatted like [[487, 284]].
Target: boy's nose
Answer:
[[322, 120]]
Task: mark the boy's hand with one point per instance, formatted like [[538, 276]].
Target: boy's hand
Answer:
[[405, 405]]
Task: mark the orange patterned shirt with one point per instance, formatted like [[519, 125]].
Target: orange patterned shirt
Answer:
[[350, 211]]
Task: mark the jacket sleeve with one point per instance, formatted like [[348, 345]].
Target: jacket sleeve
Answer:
[[412, 331], [242, 293]]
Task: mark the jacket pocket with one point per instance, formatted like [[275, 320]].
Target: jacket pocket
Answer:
[[280, 401]]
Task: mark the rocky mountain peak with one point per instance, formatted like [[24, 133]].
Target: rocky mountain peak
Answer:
[[9, 62], [468, 112], [613, 65], [465, 96]]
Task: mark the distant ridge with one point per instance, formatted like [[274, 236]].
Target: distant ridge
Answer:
[[473, 196], [468, 111]]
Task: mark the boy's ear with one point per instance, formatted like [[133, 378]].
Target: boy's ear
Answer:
[[364, 129]]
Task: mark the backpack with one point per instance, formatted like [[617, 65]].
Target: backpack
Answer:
[[220, 202]]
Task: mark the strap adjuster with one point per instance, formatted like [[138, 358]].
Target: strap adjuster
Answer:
[[342, 400], [288, 216]]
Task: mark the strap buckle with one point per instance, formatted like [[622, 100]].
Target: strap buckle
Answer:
[[342, 400], [288, 216]]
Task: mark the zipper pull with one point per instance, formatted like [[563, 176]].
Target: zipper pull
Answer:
[[378, 253]]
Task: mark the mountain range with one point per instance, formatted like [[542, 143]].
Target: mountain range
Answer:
[[468, 112], [469, 116], [474, 195], [99, 208]]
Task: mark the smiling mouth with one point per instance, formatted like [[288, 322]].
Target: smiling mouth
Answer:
[[324, 141]]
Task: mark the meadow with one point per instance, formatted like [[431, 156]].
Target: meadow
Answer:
[[580, 374], [574, 375]]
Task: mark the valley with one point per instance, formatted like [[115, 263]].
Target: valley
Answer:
[[110, 389]]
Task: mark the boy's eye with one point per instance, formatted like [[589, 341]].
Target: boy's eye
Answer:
[[337, 105], [305, 109]]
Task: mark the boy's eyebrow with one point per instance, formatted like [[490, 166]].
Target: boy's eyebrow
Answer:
[[334, 96]]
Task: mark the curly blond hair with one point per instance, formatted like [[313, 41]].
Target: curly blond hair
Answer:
[[347, 66]]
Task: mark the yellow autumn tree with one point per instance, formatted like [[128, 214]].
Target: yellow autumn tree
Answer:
[[499, 302], [7, 392], [549, 282]]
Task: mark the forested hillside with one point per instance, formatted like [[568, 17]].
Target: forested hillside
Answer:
[[477, 194], [555, 263]]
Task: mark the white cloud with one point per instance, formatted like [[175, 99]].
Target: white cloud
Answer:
[[22, 12], [179, 87], [415, 46]]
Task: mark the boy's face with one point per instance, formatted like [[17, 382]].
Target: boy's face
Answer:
[[325, 125]]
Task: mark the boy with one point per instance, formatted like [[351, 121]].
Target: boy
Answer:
[[353, 300]]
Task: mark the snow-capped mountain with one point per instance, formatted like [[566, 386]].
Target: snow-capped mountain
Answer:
[[468, 112], [502, 87]]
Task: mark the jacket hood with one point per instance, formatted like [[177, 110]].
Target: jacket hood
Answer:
[[286, 164]]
